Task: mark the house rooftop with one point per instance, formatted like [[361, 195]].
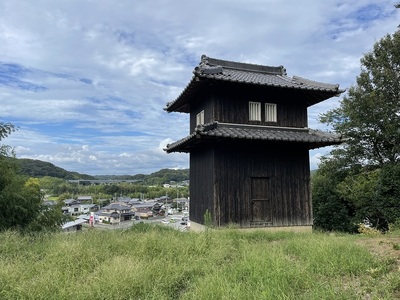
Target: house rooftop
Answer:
[[211, 70], [67, 201], [73, 223], [223, 131], [117, 206], [144, 205]]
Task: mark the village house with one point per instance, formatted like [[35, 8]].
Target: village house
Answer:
[[124, 199], [78, 209], [85, 199], [182, 203], [115, 213], [144, 210], [69, 202]]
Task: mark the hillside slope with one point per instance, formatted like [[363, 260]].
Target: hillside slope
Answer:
[[38, 168], [159, 177]]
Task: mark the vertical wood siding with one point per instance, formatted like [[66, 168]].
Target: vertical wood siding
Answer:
[[232, 106], [206, 104], [252, 184], [287, 172], [202, 187]]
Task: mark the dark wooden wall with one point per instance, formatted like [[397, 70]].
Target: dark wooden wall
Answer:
[[231, 105], [253, 184], [202, 187], [280, 171], [206, 103]]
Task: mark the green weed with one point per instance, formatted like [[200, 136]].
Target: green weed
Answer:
[[152, 262]]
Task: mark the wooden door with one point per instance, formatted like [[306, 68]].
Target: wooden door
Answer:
[[261, 201]]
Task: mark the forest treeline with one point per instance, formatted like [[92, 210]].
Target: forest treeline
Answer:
[[38, 169], [54, 182], [61, 189]]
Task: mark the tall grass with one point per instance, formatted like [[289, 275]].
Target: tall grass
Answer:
[[152, 262]]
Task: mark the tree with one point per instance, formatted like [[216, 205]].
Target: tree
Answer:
[[358, 179], [331, 210], [388, 190], [20, 200], [5, 130], [360, 190], [370, 115], [21, 205]]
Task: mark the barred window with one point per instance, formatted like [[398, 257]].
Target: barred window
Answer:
[[200, 118], [270, 112], [254, 111]]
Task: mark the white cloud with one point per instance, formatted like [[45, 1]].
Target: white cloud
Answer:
[[315, 158], [87, 81], [22, 150]]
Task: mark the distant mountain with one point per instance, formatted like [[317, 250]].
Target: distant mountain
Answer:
[[159, 177], [38, 168]]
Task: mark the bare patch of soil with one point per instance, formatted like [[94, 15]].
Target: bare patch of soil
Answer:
[[383, 246]]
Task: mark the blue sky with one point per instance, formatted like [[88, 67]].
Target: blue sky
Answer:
[[87, 81]]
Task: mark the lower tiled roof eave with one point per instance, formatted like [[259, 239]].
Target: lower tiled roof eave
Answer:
[[222, 131]]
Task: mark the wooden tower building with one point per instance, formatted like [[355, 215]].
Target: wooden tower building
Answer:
[[249, 144]]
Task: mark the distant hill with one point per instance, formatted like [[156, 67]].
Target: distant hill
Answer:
[[159, 177], [38, 168]]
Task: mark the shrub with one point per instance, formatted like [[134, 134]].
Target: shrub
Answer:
[[364, 229]]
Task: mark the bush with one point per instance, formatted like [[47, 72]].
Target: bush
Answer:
[[364, 229]]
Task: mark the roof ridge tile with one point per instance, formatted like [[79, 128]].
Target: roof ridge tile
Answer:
[[210, 65]]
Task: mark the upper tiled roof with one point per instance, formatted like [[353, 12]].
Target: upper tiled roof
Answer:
[[228, 71], [313, 138]]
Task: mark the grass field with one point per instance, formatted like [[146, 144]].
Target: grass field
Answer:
[[154, 262]]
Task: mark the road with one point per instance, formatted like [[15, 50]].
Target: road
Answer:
[[152, 220]]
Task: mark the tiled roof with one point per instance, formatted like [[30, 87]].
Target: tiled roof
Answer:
[[117, 206], [215, 130], [228, 71], [256, 74]]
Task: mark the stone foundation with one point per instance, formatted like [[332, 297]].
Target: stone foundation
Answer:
[[196, 227]]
